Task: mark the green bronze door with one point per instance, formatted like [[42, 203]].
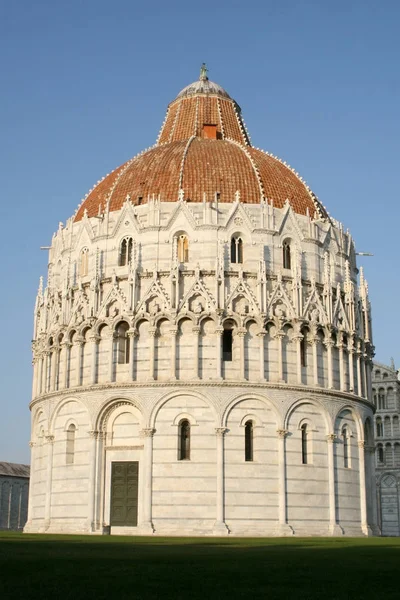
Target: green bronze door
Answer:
[[124, 493]]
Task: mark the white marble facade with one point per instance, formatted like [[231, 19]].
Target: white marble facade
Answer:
[[140, 329]]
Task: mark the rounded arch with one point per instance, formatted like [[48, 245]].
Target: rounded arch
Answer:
[[315, 402], [98, 326], [163, 317], [60, 405], [251, 396], [232, 318], [187, 316], [118, 409], [170, 395], [357, 419], [107, 407], [206, 316], [69, 422], [142, 318], [255, 419], [122, 318], [184, 416], [36, 418], [306, 421], [253, 319]]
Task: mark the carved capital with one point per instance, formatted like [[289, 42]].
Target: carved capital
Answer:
[[331, 438], [220, 431], [196, 329], [93, 434], [95, 339], [148, 432], [361, 444], [50, 439], [219, 330], [32, 444], [132, 333], [282, 433], [173, 331], [153, 331]]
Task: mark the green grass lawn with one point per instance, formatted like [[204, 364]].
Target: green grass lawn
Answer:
[[58, 567]]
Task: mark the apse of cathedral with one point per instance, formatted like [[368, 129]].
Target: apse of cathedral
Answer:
[[202, 348]]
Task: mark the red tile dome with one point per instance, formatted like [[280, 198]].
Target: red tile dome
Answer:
[[204, 150]]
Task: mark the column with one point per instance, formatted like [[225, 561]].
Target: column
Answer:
[[334, 527], [49, 480], [45, 387], [314, 342], [220, 527], [284, 528], [67, 346], [40, 375], [341, 365], [261, 336], [99, 480], [92, 473], [363, 493], [241, 333], [78, 375], [152, 342], [111, 357], [279, 337], [131, 334], [364, 386], [147, 524], [328, 345], [95, 340], [219, 332], [351, 369], [31, 484], [173, 332], [35, 376], [297, 340], [374, 521], [359, 389], [196, 340], [53, 364]]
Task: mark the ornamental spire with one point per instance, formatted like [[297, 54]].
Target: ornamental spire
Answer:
[[203, 72]]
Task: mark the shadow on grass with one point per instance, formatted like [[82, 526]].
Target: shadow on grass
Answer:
[[64, 567]]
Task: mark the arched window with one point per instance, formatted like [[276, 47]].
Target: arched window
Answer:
[[70, 451], [184, 440], [381, 455], [236, 250], [248, 441], [183, 248], [122, 343], [227, 343], [379, 427], [286, 255], [346, 456], [125, 252], [381, 399], [303, 347], [304, 444], [84, 262], [377, 374]]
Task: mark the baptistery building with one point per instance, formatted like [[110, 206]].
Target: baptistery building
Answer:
[[202, 348]]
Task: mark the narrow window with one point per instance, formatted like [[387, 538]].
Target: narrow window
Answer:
[[248, 441], [286, 255], [227, 342], [304, 445], [84, 262], [184, 440], [125, 252], [70, 453], [140, 200], [381, 455], [381, 400], [236, 250], [303, 349], [123, 343], [345, 449], [379, 427], [183, 249]]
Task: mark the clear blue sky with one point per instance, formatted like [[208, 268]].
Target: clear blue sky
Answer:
[[85, 85]]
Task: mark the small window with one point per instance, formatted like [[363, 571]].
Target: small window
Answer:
[[303, 348], [183, 249], [381, 455], [236, 250], [286, 256], [304, 444], [184, 440], [345, 439], [70, 453], [122, 343], [84, 262], [227, 343], [381, 400], [140, 200], [379, 427], [125, 252], [248, 441]]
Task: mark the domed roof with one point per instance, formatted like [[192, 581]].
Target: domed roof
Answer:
[[203, 152]]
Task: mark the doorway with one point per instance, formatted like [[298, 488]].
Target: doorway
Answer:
[[124, 494]]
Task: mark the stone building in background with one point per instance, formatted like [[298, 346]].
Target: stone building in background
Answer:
[[14, 491], [202, 348], [386, 395]]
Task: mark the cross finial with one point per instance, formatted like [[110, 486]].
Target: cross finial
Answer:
[[203, 72]]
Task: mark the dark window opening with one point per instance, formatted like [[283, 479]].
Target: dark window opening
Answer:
[[345, 449], [304, 445], [236, 250], [227, 343], [184, 441], [248, 441], [286, 256], [140, 199], [303, 349]]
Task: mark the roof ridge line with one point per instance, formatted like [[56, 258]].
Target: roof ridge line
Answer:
[[190, 140], [255, 168]]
